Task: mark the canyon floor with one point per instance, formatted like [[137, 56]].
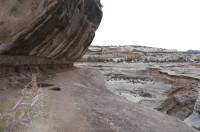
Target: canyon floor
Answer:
[[82, 102]]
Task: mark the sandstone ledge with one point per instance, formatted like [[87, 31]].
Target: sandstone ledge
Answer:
[[85, 104]]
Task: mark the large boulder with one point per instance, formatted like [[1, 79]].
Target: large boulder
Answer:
[[58, 30]]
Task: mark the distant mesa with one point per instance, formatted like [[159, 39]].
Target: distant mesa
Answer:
[[136, 53], [192, 51]]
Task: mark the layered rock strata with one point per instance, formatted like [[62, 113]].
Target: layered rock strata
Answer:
[[182, 95], [14, 77], [58, 30]]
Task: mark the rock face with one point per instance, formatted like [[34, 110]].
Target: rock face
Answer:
[[183, 92], [193, 120], [48, 29]]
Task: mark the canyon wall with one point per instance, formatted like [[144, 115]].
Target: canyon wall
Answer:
[[135, 53], [194, 118]]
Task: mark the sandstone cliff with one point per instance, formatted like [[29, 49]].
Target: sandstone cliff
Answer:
[[47, 30]]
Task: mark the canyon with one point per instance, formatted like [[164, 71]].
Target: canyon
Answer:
[[44, 90], [161, 79]]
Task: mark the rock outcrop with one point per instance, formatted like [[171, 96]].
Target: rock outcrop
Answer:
[[194, 118], [51, 30], [182, 95]]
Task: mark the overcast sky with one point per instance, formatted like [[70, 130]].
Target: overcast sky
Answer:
[[171, 24]]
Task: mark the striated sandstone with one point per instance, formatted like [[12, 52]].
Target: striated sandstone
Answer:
[[48, 29]]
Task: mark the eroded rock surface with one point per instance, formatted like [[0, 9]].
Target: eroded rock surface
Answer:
[[170, 88], [162, 79], [194, 118], [47, 29], [84, 104]]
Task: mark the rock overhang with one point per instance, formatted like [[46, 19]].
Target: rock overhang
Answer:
[[54, 31]]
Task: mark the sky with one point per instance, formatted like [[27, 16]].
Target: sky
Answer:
[[170, 24]]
